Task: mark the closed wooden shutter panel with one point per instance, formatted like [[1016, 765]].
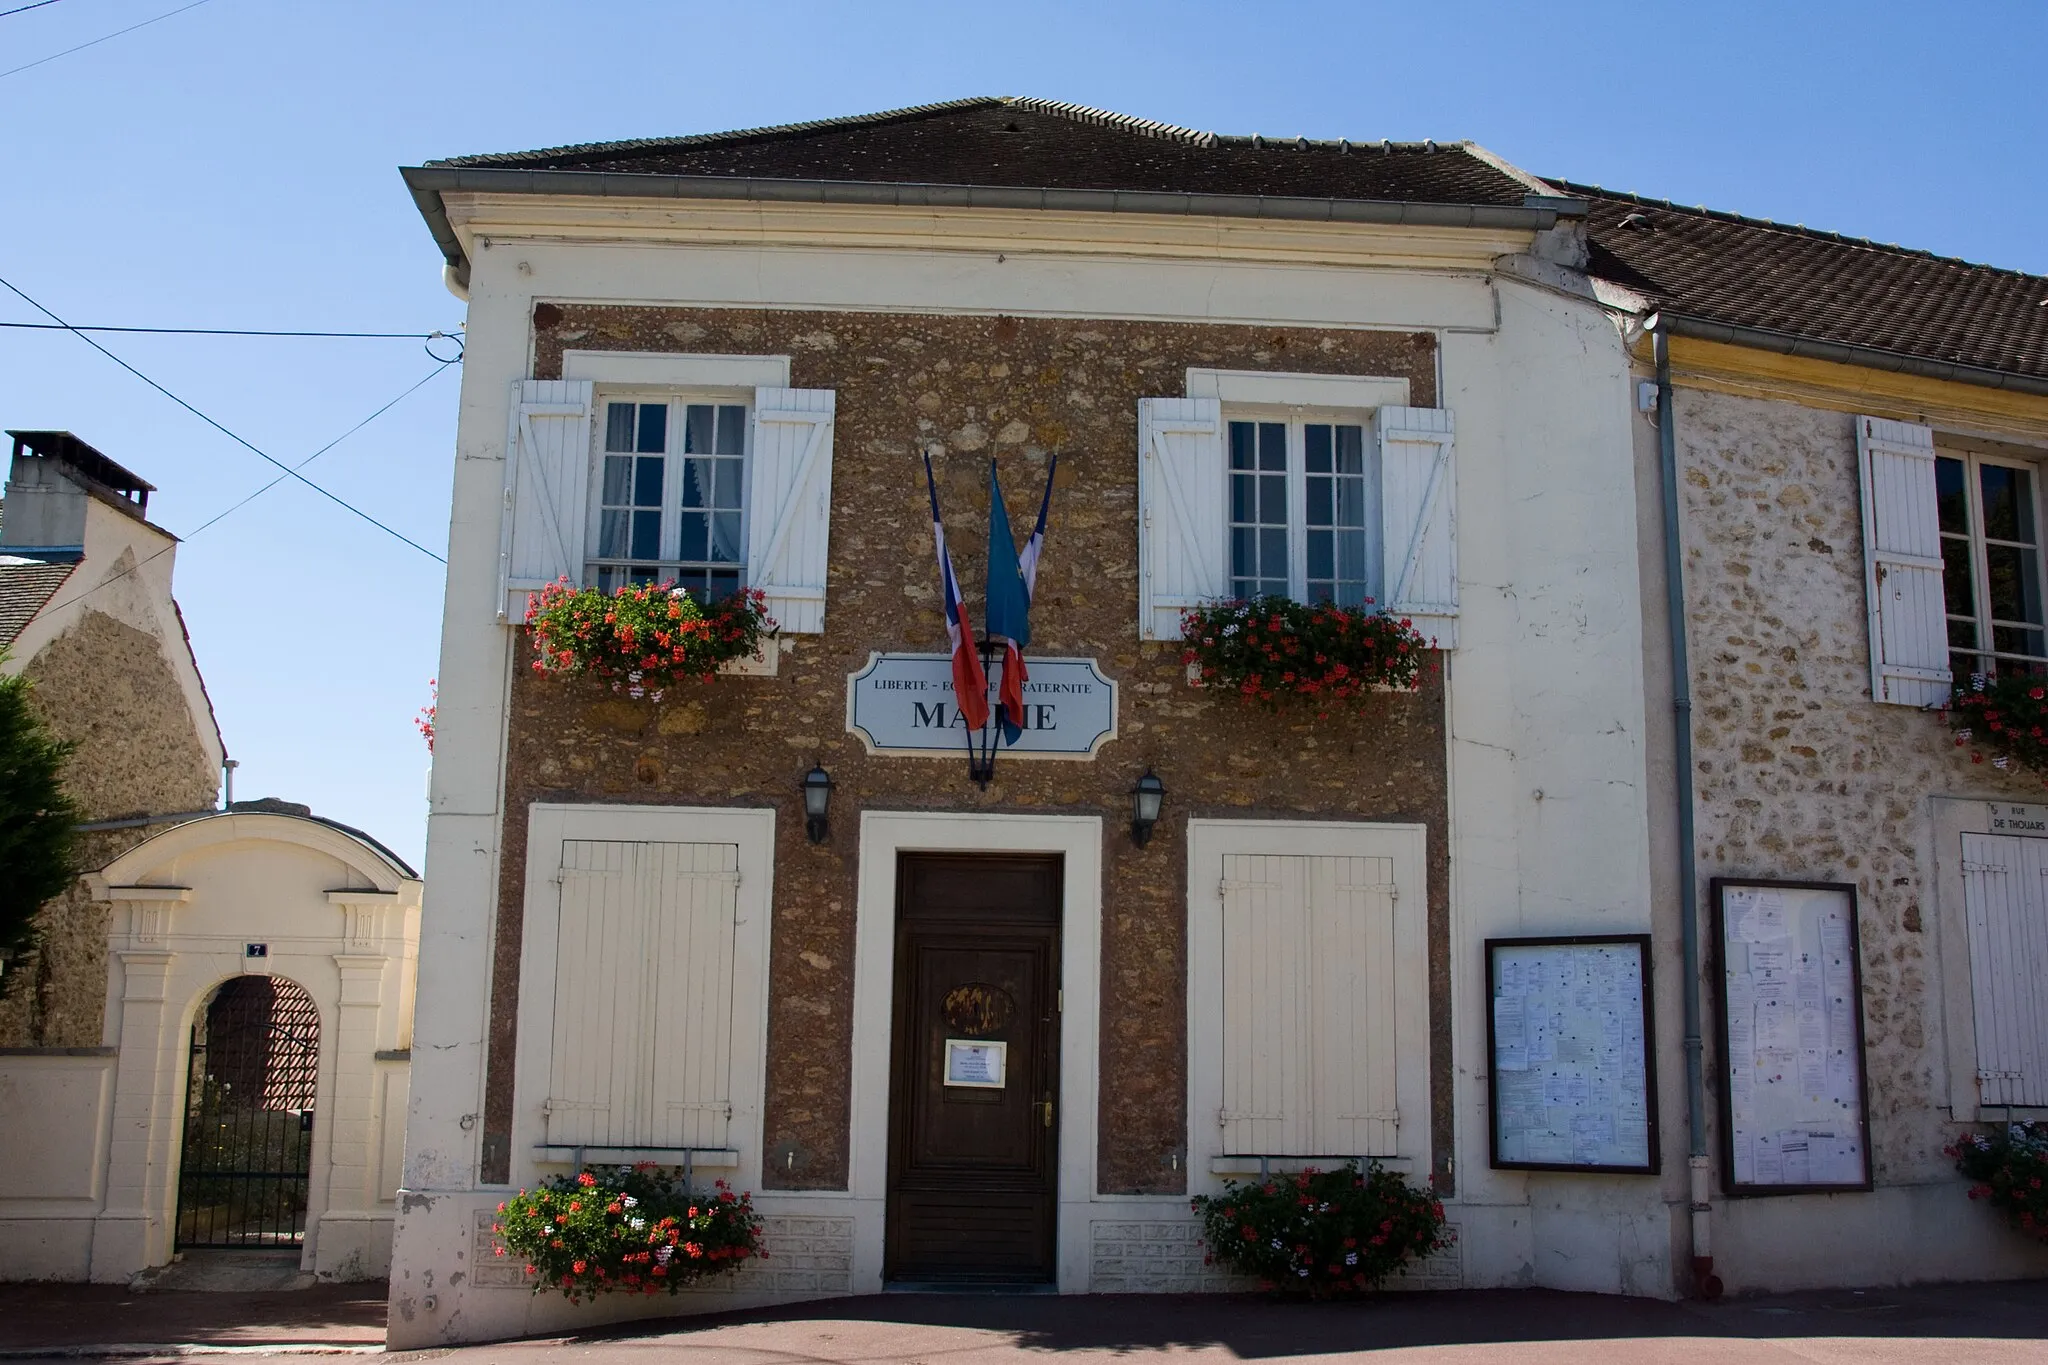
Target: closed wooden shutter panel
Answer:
[[2006, 902], [547, 488], [642, 1049], [1309, 1048], [1418, 508], [1183, 541], [1902, 563], [789, 508]]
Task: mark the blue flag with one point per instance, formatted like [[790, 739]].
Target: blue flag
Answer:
[[1009, 610]]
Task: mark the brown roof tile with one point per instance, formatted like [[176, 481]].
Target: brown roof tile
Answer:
[[1745, 272], [26, 587]]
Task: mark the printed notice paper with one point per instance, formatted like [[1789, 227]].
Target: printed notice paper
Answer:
[[1791, 1041], [974, 1063], [1570, 1061]]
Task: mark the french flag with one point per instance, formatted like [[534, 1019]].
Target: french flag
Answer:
[[1012, 579], [970, 683]]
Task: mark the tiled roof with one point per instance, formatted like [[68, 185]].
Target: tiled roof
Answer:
[[26, 587], [1042, 144], [1744, 272]]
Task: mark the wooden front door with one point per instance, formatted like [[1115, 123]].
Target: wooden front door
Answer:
[[974, 1069]]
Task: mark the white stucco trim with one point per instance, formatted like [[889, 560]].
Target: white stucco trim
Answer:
[[1406, 846], [883, 835], [674, 369], [158, 856], [1261, 388], [753, 831]]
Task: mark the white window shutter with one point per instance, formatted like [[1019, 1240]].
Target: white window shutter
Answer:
[[547, 486], [1902, 563], [641, 1054], [2006, 902], [1419, 521], [789, 504], [1183, 541], [1309, 1055]]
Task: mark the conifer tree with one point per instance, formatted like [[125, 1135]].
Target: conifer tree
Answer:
[[36, 820]]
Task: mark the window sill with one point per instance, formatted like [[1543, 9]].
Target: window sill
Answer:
[[1287, 1165], [698, 1158]]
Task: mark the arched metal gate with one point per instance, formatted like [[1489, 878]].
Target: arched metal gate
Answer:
[[242, 1179]]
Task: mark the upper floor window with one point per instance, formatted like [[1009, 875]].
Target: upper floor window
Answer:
[[1991, 564], [1304, 514], [671, 494]]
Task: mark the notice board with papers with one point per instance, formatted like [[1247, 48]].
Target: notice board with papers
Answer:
[[1572, 1083], [1794, 1114]]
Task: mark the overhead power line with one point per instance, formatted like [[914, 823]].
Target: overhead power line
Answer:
[[16, 70], [244, 502], [227, 331], [23, 9], [250, 446]]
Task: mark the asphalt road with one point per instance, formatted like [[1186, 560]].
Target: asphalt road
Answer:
[[1961, 1323]]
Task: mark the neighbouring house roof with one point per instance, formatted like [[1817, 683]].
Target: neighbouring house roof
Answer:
[[1970, 322], [1022, 152], [26, 587]]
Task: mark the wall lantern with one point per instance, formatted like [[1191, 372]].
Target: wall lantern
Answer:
[[1145, 801], [817, 788]]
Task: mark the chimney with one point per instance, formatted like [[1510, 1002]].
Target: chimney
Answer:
[[52, 475]]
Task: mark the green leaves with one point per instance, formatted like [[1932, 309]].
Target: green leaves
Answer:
[[1271, 649], [2007, 716], [645, 637], [36, 818], [2010, 1168], [1321, 1233], [632, 1230]]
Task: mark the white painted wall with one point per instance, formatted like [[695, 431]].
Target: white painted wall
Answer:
[[1545, 689]]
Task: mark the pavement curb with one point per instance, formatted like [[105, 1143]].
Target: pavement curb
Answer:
[[126, 1349]]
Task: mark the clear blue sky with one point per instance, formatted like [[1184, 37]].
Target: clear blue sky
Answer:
[[235, 166]]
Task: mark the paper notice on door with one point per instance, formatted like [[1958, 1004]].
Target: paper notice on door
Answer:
[[970, 1062]]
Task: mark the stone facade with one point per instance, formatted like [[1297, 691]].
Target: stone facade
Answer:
[[1799, 773], [107, 687], [976, 386]]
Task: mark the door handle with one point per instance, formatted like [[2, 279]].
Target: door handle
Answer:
[[1046, 1105]]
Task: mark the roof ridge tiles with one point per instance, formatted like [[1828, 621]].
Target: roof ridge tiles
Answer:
[[1794, 229], [1109, 118]]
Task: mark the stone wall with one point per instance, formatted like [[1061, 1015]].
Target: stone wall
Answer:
[[1799, 774], [107, 687], [978, 386]]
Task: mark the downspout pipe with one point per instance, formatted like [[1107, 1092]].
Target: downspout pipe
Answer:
[[1698, 1165]]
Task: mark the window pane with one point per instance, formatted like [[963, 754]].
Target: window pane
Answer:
[[1955, 575], [1322, 556], [618, 426], [1273, 554], [1243, 445], [1351, 558], [732, 430], [646, 535], [2012, 640], [1244, 554], [1244, 497], [1317, 458], [618, 475], [653, 428], [1963, 665], [725, 537], [1951, 496], [695, 494], [727, 490], [647, 483], [2014, 581], [1320, 500], [2008, 503], [698, 435], [696, 537], [1350, 450], [1962, 634], [1273, 445], [611, 534], [1273, 499], [1350, 502]]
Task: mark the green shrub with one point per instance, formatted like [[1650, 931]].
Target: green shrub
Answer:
[[2010, 1166], [1321, 1232], [635, 1230]]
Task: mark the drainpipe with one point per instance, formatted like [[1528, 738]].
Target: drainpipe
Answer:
[[227, 774], [1697, 1164]]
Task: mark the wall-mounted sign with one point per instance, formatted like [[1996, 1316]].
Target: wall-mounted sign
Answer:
[[2007, 818], [1573, 1083], [1793, 1115], [975, 1064], [903, 704]]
